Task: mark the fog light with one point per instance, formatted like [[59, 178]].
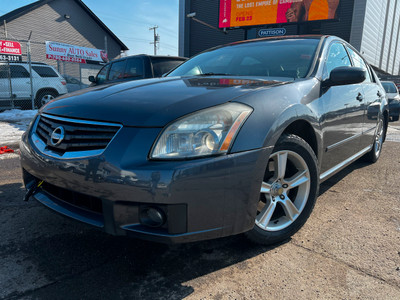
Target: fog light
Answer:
[[152, 216]]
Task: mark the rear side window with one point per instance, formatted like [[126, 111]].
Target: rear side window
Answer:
[[3, 71], [44, 71], [359, 62], [18, 72], [163, 65], [134, 68], [117, 70]]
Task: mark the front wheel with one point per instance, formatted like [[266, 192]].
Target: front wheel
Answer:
[[288, 191]]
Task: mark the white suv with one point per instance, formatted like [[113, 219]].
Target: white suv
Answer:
[[15, 83]]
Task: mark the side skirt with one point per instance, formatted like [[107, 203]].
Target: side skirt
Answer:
[[343, 164]]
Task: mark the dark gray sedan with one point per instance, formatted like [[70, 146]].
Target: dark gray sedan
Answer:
[[236, 139]]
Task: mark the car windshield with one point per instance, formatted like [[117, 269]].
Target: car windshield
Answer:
[[389, 87], [273, 58]]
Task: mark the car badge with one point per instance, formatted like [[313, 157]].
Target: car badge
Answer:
[[57, 136]]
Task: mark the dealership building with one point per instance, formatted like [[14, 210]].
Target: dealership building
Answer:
[[371, 26]]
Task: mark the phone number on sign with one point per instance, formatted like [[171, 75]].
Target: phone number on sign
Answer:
[[10, 57]]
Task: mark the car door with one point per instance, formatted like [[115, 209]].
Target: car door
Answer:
[[20, 80], [134, 69], [116, 72], [342, 118], [373, 95]]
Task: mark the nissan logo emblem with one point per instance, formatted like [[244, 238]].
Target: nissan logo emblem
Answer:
[[57, 136]]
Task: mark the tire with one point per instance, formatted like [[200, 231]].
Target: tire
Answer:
[[45, 96], [395, 119], [380, 134], [288, 191]]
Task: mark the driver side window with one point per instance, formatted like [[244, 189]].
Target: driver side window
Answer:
[[337, 57]]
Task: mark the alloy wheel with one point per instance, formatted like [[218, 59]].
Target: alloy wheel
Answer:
[[284, 191]]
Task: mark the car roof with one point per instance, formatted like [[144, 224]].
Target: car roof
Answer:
[[151, 56]]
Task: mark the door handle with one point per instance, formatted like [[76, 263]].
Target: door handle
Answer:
[[360, 97], [379, 94]]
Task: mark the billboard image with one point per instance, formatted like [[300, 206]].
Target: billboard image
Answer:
[[237, 13]]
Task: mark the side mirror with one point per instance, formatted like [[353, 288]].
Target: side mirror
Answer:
[[345, 75], [92, 79]]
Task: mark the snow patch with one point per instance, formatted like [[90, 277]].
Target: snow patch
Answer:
[[13, 123]]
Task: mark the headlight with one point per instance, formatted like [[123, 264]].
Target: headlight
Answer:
[[207, 132]]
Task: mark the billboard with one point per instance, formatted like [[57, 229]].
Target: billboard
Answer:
[[238, 13], [72, 53]]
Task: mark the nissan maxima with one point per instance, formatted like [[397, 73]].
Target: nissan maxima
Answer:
[[235, 140]]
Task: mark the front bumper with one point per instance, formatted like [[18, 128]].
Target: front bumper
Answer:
[[202, 198]]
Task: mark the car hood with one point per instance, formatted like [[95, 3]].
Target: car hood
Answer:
[[153, 102]]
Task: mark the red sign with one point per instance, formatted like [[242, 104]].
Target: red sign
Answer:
[[10, 48], [237, 13], [66, 58]]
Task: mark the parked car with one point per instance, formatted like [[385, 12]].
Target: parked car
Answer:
[[74, 84], [136, 67], [236, 139], [394, 99], [47, 83]]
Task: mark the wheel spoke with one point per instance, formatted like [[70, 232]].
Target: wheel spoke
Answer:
[[265, 215], [298, 179], [290, 209], [280, 164], [265, 188]]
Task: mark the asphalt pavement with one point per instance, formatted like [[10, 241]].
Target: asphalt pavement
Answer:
[[348, 249]]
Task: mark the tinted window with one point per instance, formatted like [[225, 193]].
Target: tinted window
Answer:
[[18, 72], [44, 71], [337, 57], [359, 62], [102, 75], [3, 71], [134, 68], [389, 87], [278, 58], [117, 70], [164, 65]]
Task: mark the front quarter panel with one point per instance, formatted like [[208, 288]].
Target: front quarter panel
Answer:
[[274, 110]]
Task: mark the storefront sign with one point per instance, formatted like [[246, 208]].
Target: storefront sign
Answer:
[[10, 51], [271, 32], [72, 53], [237, 13]]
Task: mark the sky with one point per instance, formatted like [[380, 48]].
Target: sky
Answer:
[[130, 21]]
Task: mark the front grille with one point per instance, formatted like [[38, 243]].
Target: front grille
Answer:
[[86, 202], [62, 135]]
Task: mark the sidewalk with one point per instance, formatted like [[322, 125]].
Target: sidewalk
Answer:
[[13, 124]]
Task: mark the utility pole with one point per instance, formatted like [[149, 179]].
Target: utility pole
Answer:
[[5, 28], [156, 38]]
